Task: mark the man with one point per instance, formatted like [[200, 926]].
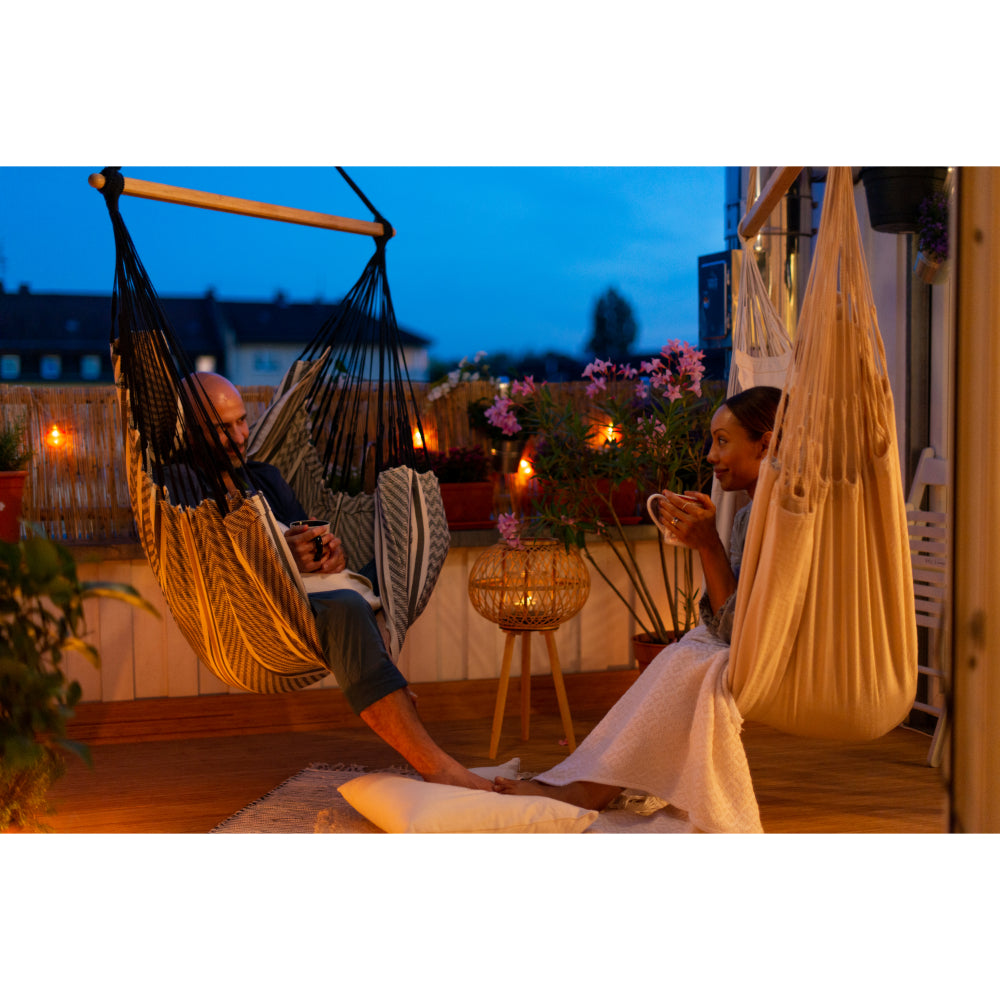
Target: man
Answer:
[[348, 631]]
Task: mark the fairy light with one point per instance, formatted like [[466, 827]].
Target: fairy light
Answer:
[[55, 437]]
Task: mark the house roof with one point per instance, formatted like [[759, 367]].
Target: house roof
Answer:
[[71, 323]]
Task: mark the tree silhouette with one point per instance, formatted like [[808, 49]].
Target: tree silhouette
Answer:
[[615, 327]]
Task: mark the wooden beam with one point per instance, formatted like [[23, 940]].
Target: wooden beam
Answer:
[[774, 190], [240, 206]]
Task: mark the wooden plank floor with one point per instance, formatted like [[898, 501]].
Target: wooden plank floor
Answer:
[[189, 783]]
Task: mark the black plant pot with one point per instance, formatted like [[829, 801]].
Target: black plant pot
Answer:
[[894, 195]]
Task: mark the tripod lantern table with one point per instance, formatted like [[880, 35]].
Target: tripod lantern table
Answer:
[[533, 588]]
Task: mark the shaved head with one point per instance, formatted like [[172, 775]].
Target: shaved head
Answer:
[[230, 419]]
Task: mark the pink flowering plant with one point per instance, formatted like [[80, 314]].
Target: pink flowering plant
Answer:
[[643, 430]]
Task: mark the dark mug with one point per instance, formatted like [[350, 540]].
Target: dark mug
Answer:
[[318, 540]]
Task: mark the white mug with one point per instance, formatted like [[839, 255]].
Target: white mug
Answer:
[[667, 533]]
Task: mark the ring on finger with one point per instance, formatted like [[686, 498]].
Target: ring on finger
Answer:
[[675, 520]]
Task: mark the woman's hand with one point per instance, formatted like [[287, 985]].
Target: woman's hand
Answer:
[[689, 516], [302, 543]]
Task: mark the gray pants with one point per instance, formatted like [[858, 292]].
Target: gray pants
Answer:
[[354, 648]]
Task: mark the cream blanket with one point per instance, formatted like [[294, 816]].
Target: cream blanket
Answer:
[[675, 735]]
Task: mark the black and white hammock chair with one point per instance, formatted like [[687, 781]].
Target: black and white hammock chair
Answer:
[[340, 428]]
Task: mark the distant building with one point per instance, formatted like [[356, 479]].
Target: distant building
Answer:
[[64, 338]]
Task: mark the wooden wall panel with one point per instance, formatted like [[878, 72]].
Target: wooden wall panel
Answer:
[[116, 634], [75, 666], [149, 658]]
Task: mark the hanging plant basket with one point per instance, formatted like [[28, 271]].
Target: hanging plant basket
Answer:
[[894, 195], [929, 270]]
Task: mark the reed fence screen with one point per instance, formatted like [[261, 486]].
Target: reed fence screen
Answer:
[[77, 489]]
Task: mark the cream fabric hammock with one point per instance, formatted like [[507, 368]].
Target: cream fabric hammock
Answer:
[[824, 641]]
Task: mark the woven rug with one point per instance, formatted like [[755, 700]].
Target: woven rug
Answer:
[[308, 802]]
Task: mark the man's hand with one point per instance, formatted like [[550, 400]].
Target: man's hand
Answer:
[[301, 542]]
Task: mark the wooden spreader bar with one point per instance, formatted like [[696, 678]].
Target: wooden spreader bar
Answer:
[[241, 206], [774, 190]]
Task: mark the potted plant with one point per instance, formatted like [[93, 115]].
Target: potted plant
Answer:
[[466, 486], [14, 458], [894, 195], [932, 237], [41, 618], [648, 427]]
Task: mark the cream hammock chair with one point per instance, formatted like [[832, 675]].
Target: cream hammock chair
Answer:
[[340, 430], [824, 639]]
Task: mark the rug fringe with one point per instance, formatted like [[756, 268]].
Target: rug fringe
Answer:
[[361, 769]]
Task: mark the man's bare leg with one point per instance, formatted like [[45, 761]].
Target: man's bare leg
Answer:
[[586, 794], [395, 720]]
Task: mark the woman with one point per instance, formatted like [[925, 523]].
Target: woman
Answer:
[[675, 732]]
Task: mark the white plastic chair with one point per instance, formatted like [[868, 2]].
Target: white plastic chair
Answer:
[[930, 556]]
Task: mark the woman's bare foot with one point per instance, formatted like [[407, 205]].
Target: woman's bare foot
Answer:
[[585, 794]]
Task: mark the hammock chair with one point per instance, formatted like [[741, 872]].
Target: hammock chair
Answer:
[[762, 352], [824, 638], [340, 430]]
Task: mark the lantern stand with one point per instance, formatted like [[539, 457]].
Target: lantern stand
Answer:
[[531, 589]]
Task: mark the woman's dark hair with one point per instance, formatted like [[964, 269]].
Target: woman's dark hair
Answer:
[[755, 408]]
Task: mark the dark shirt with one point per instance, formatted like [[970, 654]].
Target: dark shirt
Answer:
[[267, 480], [187, 487]]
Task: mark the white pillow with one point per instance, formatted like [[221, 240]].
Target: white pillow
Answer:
[[409, 805]]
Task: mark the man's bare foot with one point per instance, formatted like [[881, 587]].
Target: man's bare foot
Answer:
[[452, 773], [585, 794]]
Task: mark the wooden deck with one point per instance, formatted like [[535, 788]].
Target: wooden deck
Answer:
[[183, 765]]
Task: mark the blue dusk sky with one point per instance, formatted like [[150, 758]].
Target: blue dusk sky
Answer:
[[530, 157], [485, 258]]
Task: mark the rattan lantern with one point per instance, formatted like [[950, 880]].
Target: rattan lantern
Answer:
[[529, 589]]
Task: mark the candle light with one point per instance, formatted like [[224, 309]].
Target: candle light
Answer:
[[427, 439]]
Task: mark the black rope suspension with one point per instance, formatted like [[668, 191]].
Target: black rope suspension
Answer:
[[363, 408]]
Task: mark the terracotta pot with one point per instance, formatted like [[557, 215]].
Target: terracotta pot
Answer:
[[646, 647], [467, 503], [623, 499], [11, 496]]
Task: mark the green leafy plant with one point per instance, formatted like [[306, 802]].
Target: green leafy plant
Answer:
[[14, 451], [41, 619], [461, 465], [649, 427]]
